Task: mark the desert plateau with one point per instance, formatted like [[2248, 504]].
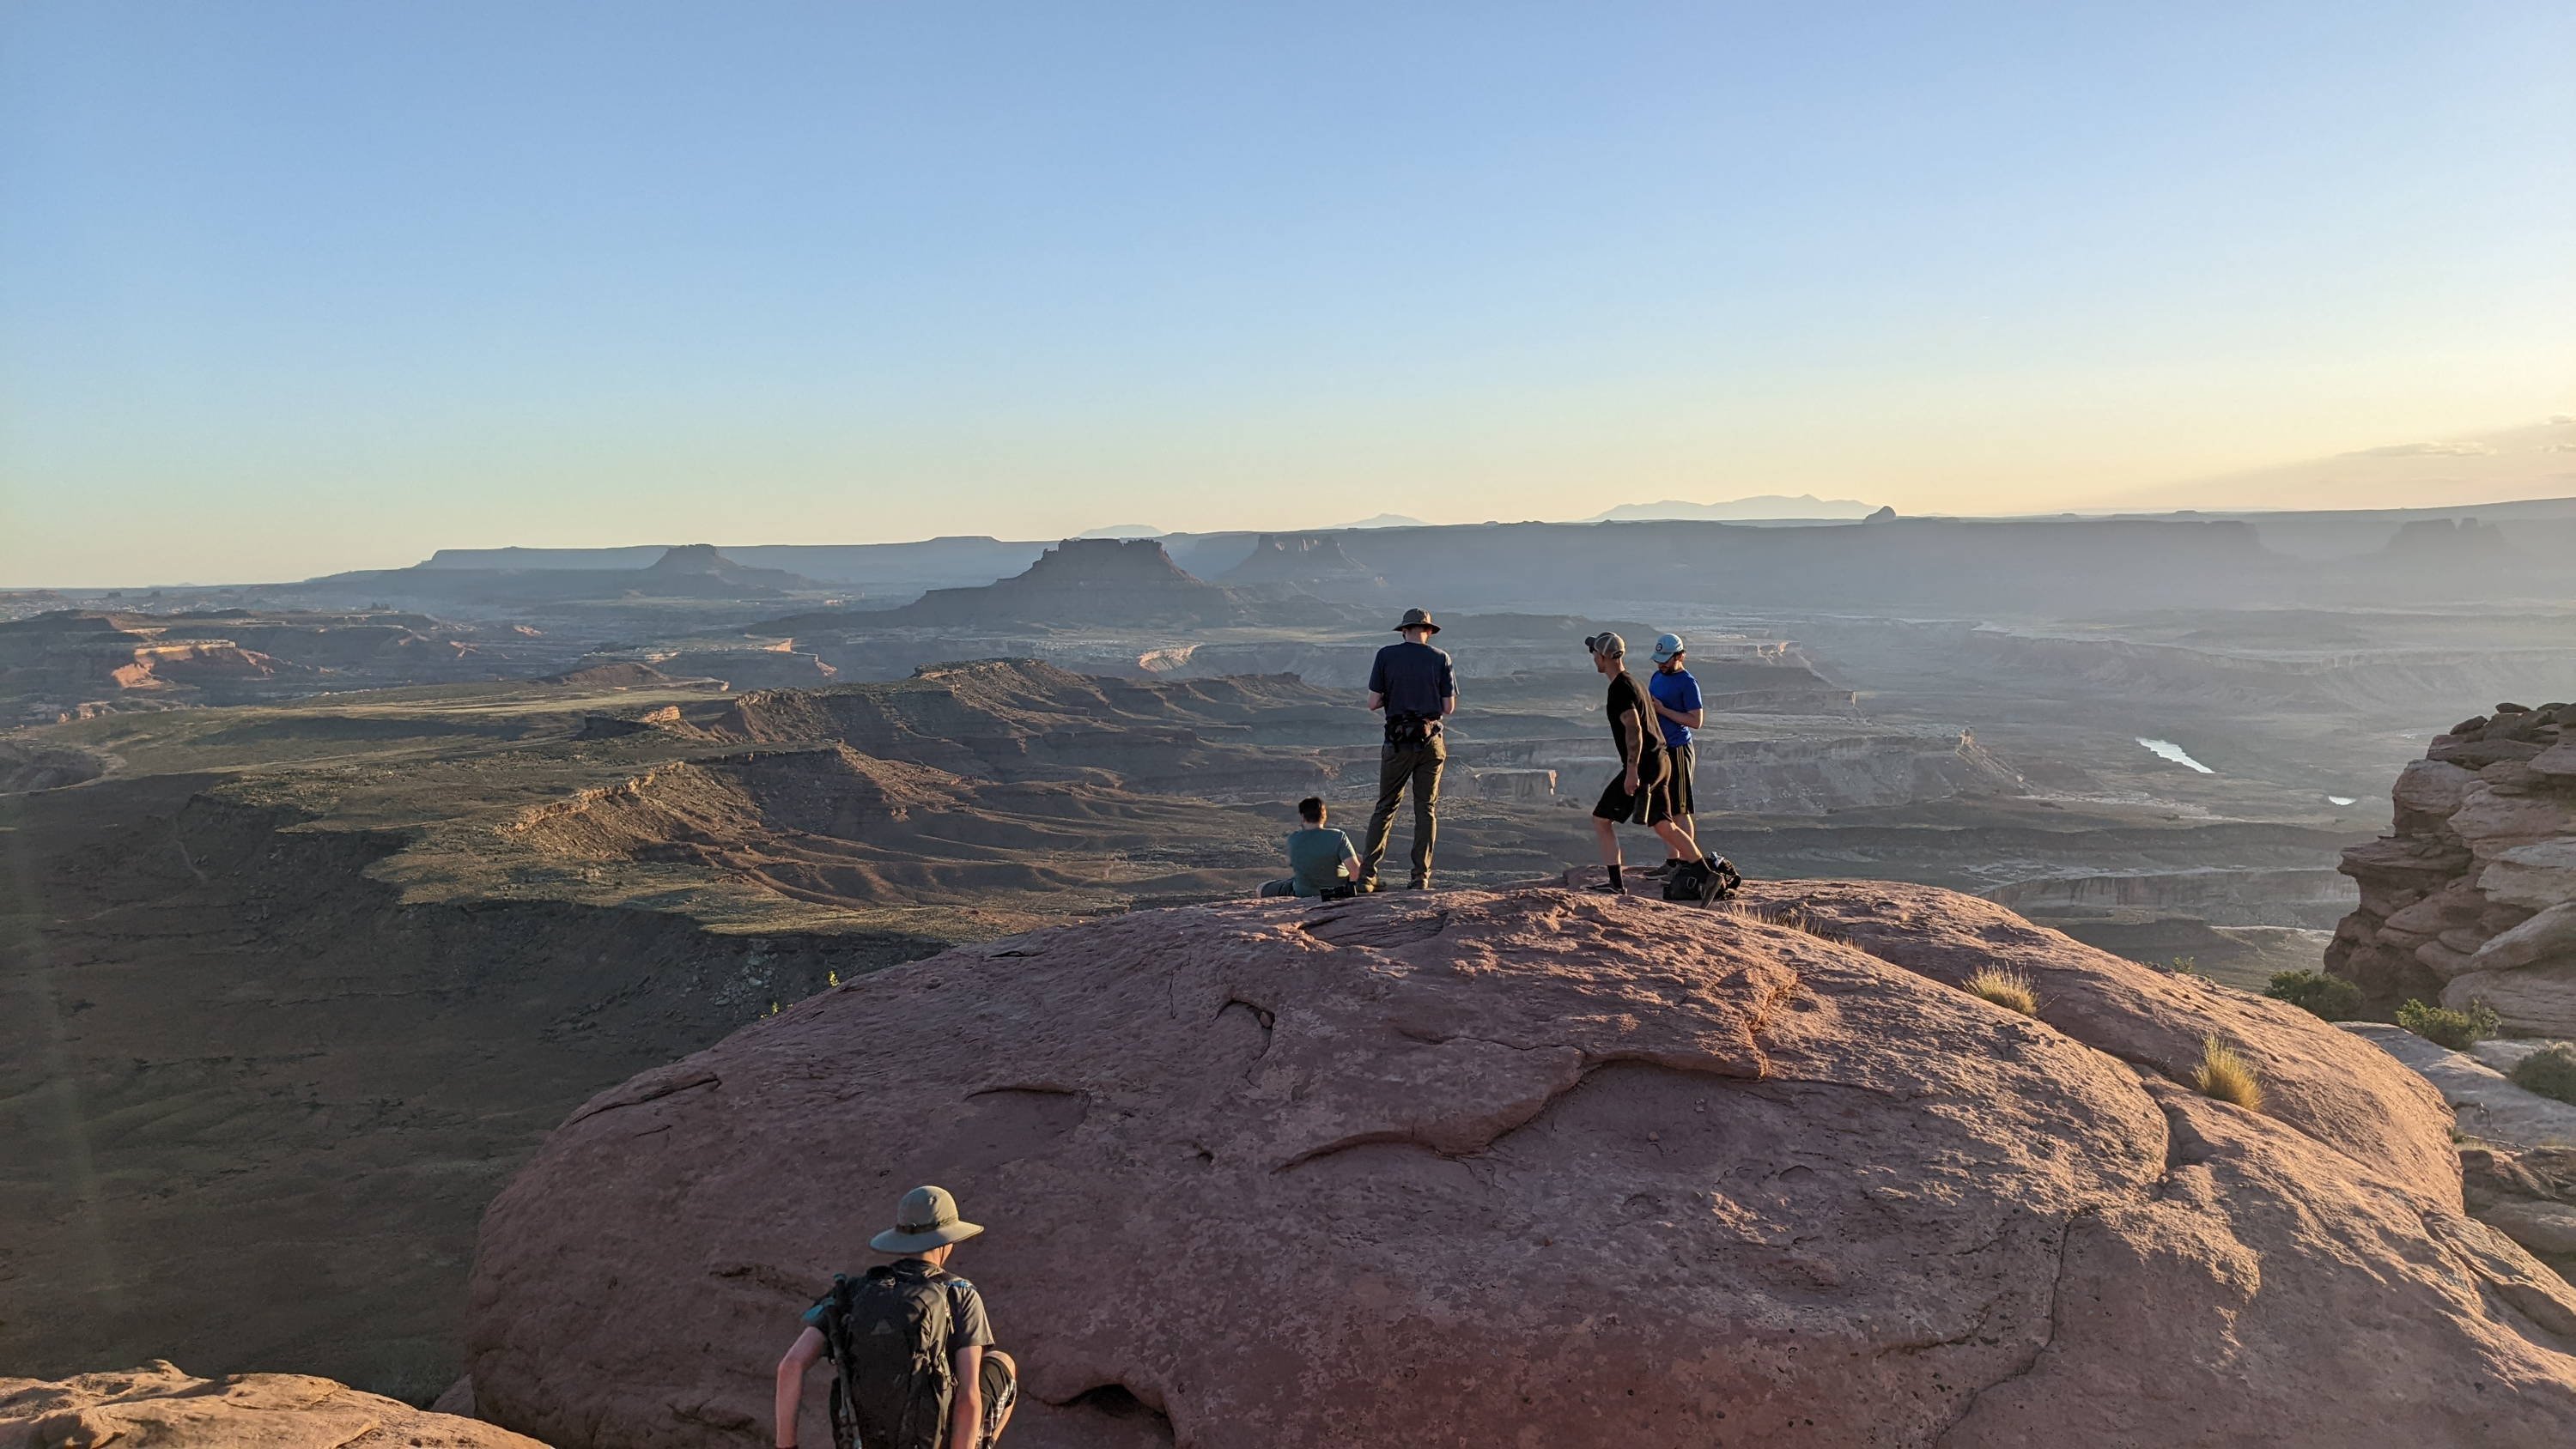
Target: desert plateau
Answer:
[[341, 921], [1019, 726]]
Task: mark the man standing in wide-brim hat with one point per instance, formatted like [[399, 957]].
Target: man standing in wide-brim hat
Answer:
[[1418, 688]]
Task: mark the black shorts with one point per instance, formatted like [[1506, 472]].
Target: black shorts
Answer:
[[1653, 802], [1678, 786]]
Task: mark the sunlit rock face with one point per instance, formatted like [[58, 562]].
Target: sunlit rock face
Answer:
[[1536, 1168], [2472, 896]]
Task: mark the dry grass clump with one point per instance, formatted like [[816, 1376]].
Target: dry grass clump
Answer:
[[2006, 987], [2225, 1075], [1788, 917]]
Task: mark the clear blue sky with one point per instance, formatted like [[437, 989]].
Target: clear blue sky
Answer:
[[287, 288]]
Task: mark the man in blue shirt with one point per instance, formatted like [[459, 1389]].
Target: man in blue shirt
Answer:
[[1416, 686], [1678, 710], [1321, 861]]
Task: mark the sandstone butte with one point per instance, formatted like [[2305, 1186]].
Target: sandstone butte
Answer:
[[159, 1407], [1541, 1169]]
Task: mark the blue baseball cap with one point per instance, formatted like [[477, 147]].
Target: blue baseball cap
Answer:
[[1668, 645]]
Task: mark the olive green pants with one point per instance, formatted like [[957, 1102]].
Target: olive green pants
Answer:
[[1397, 767]]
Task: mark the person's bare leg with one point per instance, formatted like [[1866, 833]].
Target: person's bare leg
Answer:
[[1609, 834], [1677, 840]]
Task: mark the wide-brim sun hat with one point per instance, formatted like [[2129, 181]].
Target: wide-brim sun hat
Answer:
[[925, 1219], [1668, 645], [1417, 619]]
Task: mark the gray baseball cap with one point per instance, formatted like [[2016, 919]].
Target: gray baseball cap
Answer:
[[925, 1219], [1668, 645]]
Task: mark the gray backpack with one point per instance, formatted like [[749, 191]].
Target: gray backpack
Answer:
[[887, 1334]]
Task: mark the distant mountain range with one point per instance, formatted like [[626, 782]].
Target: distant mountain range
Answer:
[[1766, 506], [2535, 461]]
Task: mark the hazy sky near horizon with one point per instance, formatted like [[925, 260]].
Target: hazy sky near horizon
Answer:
[[290, 288]]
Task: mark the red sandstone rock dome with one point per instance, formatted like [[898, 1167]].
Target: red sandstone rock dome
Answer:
[[1544, 1169]]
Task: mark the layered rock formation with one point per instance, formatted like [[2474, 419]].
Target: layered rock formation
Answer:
[[1309, 559], [2472, 897], [158, 1405], [1541, 1168], [1084, 581], [689, 571]]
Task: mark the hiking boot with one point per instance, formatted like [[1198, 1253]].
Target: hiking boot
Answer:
[[1418, 883], [1367, 887]]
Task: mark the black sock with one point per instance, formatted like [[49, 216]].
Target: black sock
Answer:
[[1615, 882]]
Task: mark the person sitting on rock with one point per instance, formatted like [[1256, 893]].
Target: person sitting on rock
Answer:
[[878, 1329], [1642, 790], [1321, 860]]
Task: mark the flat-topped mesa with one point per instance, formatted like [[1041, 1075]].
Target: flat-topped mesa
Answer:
[[1540, 1167], [1086, 581], [1302, 558], [2472, 896]]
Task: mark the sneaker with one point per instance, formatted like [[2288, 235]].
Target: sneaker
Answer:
[[1605, 888], [1659, 872], [1367, 887], [1417, 885]]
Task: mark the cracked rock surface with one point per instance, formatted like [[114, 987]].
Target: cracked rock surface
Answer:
[[1539, 1168], [158, 1405]]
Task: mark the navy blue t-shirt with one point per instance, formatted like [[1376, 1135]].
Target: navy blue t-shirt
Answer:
[[1415, 678]]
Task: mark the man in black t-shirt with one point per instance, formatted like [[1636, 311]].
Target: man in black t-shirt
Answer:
[[984, 1382], [1641, 792], [1417, 687]]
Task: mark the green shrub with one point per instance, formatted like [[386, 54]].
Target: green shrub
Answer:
[[2330, 997], [2458, 1030], [2550, 1071]]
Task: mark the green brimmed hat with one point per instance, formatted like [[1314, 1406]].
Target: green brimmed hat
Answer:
[[925, 1219]]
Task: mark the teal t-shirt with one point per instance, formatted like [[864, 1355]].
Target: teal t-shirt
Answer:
[[1314, 858]]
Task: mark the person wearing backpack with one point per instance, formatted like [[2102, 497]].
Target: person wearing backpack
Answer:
[[1418, 688], [913, 1366]]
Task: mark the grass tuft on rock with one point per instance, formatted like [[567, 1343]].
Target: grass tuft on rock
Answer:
[[2458, 1030], [2005, 987], [1788, 917], [2550, 1071], [2224, 1075], [2330, 997]]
